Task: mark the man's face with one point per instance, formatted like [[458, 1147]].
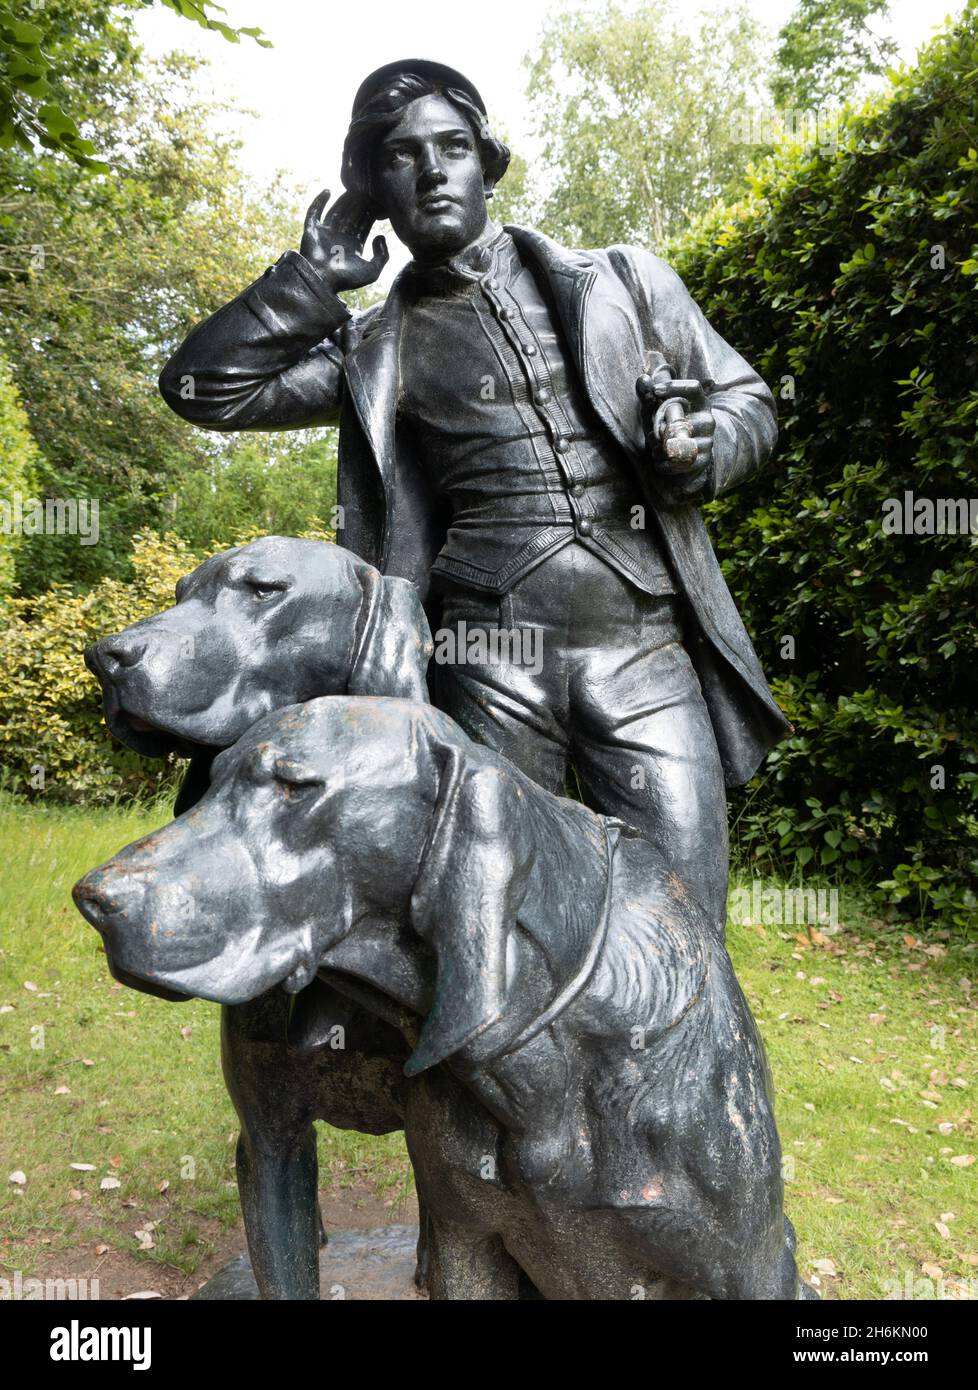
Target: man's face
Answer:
[[428, 178]]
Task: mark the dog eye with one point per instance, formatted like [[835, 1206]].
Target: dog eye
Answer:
[[294, 776], [263, 590]]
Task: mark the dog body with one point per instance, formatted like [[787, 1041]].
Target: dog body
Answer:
[[586, 1099], [256, 628]]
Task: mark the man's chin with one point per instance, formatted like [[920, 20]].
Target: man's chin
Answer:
[[437, 236]]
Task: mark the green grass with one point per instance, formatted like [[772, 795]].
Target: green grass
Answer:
[[871, 1037], [146, 1101]]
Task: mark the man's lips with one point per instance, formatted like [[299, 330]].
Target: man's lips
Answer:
[[433, 201]]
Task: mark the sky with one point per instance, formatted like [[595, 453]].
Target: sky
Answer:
[[302, 88]]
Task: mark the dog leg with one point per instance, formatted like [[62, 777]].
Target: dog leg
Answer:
[[805, 1290], [276, 1155], [466, 1264], [281, 1216], [760, 1277]]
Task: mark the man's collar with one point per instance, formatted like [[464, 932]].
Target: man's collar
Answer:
[[462, 272]]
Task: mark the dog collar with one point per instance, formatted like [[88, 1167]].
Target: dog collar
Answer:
[[573, 988]]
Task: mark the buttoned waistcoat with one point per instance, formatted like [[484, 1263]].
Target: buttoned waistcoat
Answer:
[[287, 353]]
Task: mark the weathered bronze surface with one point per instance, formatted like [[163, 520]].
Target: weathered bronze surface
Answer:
[[536, 989]]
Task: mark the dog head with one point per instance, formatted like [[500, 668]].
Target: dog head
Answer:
[[265, 625], [311, 821], [372, 837]]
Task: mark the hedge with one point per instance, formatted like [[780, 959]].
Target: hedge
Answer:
[[849, 278]]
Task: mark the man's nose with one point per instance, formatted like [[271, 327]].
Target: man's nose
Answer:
[[432, 174]]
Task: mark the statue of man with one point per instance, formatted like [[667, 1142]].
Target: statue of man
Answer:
[[501, 445]]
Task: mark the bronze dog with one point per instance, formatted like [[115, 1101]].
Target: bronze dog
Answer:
[[256, 628], [587, 1096]]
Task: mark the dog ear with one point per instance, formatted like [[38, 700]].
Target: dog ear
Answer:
[[469, 889], [393, 641]]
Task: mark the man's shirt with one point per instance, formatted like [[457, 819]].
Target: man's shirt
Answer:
[[504, 432]]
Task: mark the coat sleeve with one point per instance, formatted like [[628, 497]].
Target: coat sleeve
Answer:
[[267, 360], [742, 405]]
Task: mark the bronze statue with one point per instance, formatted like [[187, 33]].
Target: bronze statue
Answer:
[[499, 448], [586, 1097], [526, 436]]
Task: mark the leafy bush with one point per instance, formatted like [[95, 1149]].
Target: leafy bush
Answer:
[[849, 277], [53, 740], [18, 462]]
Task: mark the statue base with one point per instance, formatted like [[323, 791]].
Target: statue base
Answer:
[[376, 1264]]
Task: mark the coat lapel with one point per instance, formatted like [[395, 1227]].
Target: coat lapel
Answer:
[[371, 367], [571, 276]]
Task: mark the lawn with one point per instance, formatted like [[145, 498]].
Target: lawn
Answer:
[[870, 1031]]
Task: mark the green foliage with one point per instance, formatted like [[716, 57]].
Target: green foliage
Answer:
[[18, 469], [101, 277], [848, 279], [204, 13], [826, 48], [512, 199], [39, 59], [641, 123], [282, 493], [53, 741]]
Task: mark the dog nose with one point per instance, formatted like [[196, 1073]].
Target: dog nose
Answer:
[[113, 653], [99, 900]]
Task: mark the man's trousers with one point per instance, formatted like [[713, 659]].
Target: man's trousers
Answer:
[[616, 701]]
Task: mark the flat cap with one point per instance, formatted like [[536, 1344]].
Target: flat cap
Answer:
[[438, 72]]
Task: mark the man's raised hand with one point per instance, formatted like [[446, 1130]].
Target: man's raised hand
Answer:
[[332, 241]]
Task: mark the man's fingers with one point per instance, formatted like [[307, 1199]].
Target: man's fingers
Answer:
[[702, 423], [350, 216], [317, 207], [342, 215], [381, 254], [365, 219], [691, 391]]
